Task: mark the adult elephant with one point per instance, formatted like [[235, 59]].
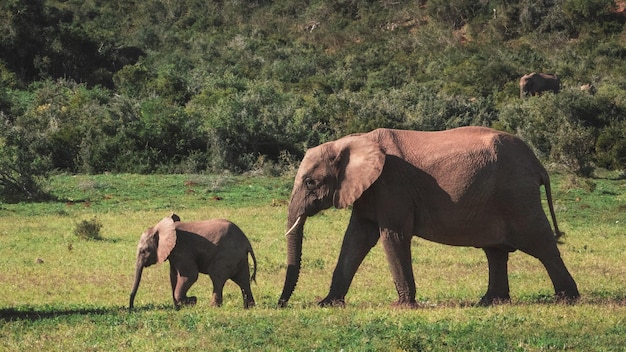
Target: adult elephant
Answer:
[[470, 186], [537, 83]]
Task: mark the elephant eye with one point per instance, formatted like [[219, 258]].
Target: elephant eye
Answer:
[[310, 183]]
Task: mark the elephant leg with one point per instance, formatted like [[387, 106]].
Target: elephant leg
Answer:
[[182, 286], [173, 281], [359, 239], [242, 279], [565, 287], [498, 289], [218, 289], [398, 250]]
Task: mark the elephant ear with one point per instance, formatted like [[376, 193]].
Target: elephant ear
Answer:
[[166, 230], [360, 162]]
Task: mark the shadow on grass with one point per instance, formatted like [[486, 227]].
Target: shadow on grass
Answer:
[[46, 312], [594, 298]]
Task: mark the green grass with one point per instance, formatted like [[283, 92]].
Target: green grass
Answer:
[[62, 293]]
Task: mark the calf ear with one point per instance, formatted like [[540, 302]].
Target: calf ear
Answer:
[[167, 238]]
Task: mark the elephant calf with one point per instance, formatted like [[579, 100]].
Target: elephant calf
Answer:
[[215, 247]]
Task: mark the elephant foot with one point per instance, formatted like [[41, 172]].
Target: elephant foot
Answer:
[[186, 301], [191, 301], [567, 298], [332, 302], [488, 300], [405, 304]]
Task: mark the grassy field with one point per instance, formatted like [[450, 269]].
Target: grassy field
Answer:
[[61, 293]]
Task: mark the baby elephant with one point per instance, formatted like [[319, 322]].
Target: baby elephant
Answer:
[[215, 247]]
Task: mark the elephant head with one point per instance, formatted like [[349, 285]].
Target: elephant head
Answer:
[[154, 247], [332, 174]]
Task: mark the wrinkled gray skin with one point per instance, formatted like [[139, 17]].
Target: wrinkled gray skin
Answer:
[[537, 83], [215, 247], [469, 186]]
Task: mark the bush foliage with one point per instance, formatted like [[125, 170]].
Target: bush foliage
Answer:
[[88, 229], [194, 86]]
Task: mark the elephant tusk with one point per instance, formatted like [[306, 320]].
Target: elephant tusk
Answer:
[[294, 226]]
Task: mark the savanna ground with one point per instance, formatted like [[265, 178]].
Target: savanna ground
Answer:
[[61, 293]]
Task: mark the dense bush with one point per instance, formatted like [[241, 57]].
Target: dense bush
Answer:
[[23, 165], [88, 229], [21, 173], [193, 86], [571, 128]]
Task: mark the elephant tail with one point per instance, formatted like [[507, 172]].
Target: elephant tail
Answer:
[[253, 276], [545, 179]]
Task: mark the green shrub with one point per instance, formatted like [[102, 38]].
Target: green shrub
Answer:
[[454, 13], [557, 126], [88, 229], [441, 111], [131, 80], [24, 161], [610, 148], [22, 178], [259, 121]]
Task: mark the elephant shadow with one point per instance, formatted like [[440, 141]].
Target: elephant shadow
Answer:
[[432, 197], [29, 313]]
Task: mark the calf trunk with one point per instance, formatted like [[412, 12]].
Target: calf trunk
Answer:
[[138, 271]]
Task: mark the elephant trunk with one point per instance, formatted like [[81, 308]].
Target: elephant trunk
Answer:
[[138, 271], [294, 258]]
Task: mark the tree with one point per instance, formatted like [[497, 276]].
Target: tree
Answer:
[[22, 172]]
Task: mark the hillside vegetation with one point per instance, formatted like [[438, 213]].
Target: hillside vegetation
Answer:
[[183, 86]]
